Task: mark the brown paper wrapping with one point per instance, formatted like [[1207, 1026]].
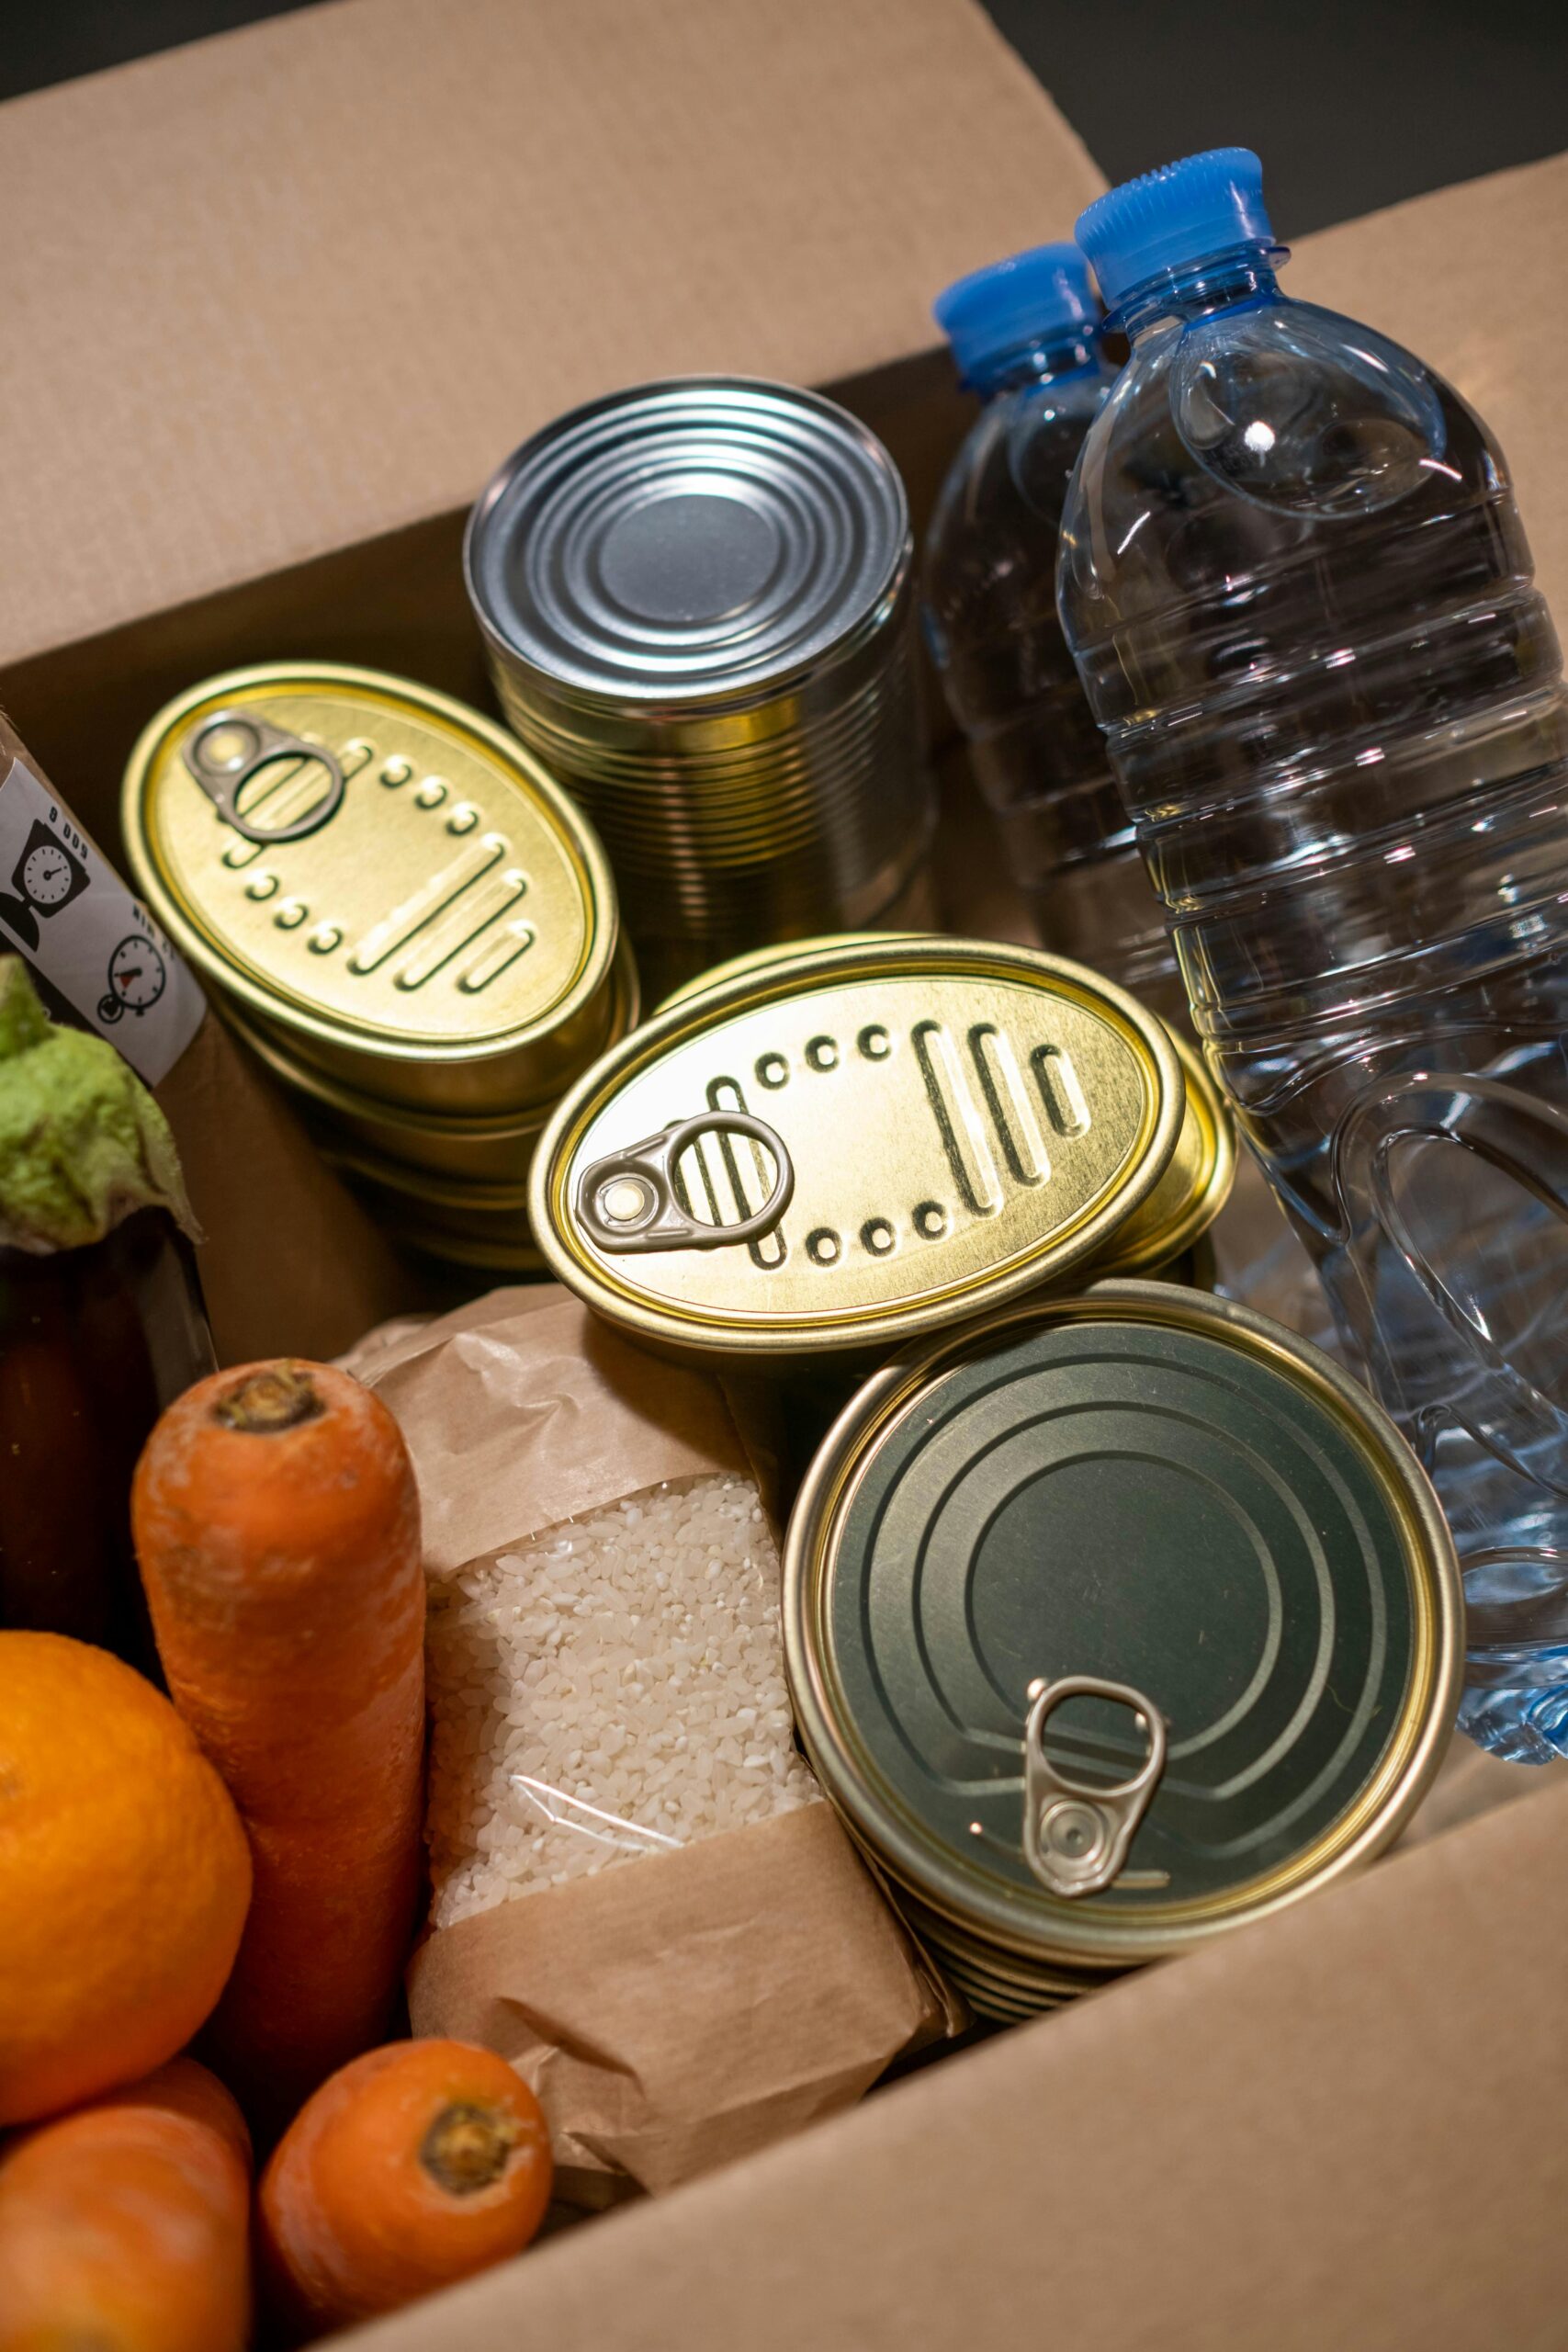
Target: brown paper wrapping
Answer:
[[522, 1411], [677, 2011]]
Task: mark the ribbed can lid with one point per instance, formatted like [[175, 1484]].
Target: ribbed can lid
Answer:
[[691, 540], [827, 1153], [1188, 1507], [384, 876]]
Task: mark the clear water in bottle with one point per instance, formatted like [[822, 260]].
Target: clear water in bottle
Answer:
[[1025, 336], [1301, 601]]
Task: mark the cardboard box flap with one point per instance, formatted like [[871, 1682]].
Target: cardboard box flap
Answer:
[[1340, 2127], [309, 282], [1471, 280]]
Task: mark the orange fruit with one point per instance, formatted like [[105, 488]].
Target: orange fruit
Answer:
[[124, 1876]]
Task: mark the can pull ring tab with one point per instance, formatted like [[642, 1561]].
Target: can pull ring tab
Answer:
[[229, 747], [628, 1200], [1076, 1836]]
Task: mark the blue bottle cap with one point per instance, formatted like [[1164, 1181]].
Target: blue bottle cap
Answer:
[[1182, 213], [1015, 302]]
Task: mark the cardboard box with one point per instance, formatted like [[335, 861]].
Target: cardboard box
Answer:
[[274, 305], [1335, 2129], [277, 303]]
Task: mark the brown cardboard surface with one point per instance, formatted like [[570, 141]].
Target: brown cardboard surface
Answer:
[[290, 1263], [1337, 2128], [1472, 280], [303, 286]]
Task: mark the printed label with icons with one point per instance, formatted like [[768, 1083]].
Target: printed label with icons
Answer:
[[63, 906]]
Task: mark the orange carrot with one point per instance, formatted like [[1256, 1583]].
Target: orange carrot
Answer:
[[277, 1524], [414, 2166], [125, 2226]]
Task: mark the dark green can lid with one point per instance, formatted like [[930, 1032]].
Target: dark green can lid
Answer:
[[1158, 1491]]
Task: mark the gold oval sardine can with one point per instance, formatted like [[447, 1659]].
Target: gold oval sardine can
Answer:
[[1164, 1233], [381, 877], [1112, 1623], [849, 1148]]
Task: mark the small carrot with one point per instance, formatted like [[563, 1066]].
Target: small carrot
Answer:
[[416, 2165], [277, 1524], [125, 2226]]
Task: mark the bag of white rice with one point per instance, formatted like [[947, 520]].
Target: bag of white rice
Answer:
[[607, 1689]]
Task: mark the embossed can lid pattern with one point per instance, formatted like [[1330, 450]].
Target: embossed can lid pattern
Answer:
[[1190, 1507], [381, 875], [1197, 1177], [871, 1140], [690, 539]]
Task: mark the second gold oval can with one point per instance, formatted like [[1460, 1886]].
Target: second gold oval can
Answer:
[[1195, 1187], [1163, 1232], [383, 879], [867, 1142]]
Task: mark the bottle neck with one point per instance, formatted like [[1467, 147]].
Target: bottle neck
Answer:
[[1234, 281], [1045, 362]]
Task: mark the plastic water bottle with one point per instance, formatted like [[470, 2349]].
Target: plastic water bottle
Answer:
[[1301, 601], [1025, 336]]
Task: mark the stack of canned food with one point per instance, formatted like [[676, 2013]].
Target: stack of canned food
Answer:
[[405, 917], [696, 598], [1112, 1623], [1114, 1615]]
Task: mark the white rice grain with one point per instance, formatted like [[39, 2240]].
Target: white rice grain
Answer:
[[613, 1685]]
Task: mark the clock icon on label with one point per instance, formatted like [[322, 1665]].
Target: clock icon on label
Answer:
[[48, 873], [46, 878], [137, 978]]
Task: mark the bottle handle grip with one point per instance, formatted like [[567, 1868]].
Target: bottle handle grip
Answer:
[[1500, 1405]]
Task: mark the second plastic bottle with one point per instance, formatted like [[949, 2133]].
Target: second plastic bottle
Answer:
[[1025, 336]]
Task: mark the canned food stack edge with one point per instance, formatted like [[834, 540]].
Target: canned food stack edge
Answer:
[[1112, 1623], [695, 597], [404, 916]]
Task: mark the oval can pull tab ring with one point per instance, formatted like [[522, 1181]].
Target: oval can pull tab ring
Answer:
[[629, 1201], [225, 750], [1076, 1835]]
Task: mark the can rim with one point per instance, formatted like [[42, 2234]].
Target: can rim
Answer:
[[337, 1097], [467, 1196], [1191, 1216], [682, 698], [1370, 1824], [846, 1330], [575, 836]]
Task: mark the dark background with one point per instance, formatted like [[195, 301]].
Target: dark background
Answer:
[[1353, 104]]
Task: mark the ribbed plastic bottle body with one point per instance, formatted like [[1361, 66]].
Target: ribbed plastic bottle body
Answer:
[[994, 632], [1301, 600]]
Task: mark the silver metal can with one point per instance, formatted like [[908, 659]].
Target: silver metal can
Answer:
[[695, 596]]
